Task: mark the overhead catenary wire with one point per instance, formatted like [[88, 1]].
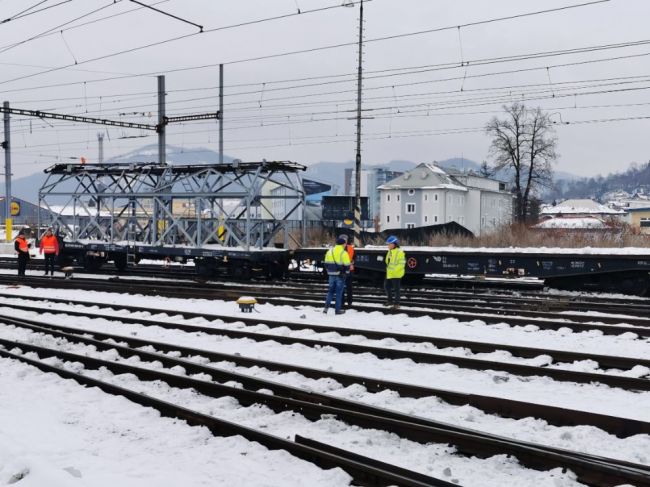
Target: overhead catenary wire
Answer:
[[268, 106], [17, 15], [406, 134], [301, 51], [429, 106], [28, 13], [55, 29], [177, 38]]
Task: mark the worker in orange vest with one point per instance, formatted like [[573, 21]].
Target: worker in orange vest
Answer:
[[50, 249], [349, 248], [22, 247]]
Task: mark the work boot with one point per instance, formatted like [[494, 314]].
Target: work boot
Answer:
[[340, 312], [396, 306], [325, 309]]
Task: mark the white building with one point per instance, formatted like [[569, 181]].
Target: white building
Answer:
[[427, 195], [577, 208]]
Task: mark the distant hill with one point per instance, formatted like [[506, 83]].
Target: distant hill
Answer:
[[636, 179], [27, 187], [329, 172]]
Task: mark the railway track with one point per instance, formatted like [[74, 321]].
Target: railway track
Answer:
[[590, 469], [402, 340], [506, 294], [111, 312], [611, 325]]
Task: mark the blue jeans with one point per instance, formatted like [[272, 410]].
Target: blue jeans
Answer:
[[335, 289]]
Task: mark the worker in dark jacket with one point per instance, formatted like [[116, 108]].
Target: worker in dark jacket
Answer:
[[337, 265], [22, 247]]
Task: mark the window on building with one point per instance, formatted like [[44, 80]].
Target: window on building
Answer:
[[426, 197], [387, 218], [388, 197], [410, 208], [482, 221], [397, 196], [397, 218], [426, 218], [435, 197], [411, 192], [410, 225], [461, 220], [435, 219]]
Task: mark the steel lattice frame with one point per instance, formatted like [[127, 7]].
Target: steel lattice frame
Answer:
[[134, 203]]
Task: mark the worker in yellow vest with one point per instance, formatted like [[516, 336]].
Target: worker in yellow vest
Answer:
[[337, 265], [395, 268]]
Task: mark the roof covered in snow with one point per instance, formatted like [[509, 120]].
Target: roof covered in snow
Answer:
[[589, 222], [580, 207], [424, 176]]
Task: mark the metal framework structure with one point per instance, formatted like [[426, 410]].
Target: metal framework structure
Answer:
[[193, 206]]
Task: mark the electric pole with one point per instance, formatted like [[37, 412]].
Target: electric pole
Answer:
[[6, 145], [162, 149], [100, 145], [221, 114], [357, 183]]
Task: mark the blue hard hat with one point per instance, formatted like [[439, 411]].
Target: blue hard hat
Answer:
[[391, 240]]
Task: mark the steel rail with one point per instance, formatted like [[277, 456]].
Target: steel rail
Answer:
[[534, 302], [366, 474], [622, 382], [621, 427], [605, 361], [592, 469], [156, 288]]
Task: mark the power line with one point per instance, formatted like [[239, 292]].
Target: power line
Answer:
[[17, 15], [168, 14], [302, 51], [23, 15], [54, 30], [173, 39]]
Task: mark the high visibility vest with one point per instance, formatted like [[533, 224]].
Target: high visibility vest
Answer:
[[23, 246], [350, 250], [49, 245], [337, 261], [395, 263]]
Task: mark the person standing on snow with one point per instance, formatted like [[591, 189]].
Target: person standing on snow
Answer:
[[22, 247], [395, 268], [337, 265], [349, 248], [50, 248]]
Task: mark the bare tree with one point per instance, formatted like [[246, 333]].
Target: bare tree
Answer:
[[486, 170], [524, 142]]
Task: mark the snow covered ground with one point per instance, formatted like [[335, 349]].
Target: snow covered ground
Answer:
[[432, 460], [56, 433]]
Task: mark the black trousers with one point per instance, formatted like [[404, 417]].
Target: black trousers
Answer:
[[393, 287], [49, 263], [23, 257]]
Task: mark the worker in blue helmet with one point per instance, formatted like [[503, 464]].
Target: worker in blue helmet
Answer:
[[395, 269], [337, 265]]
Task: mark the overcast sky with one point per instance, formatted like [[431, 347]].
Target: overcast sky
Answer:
[[422, 105]]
